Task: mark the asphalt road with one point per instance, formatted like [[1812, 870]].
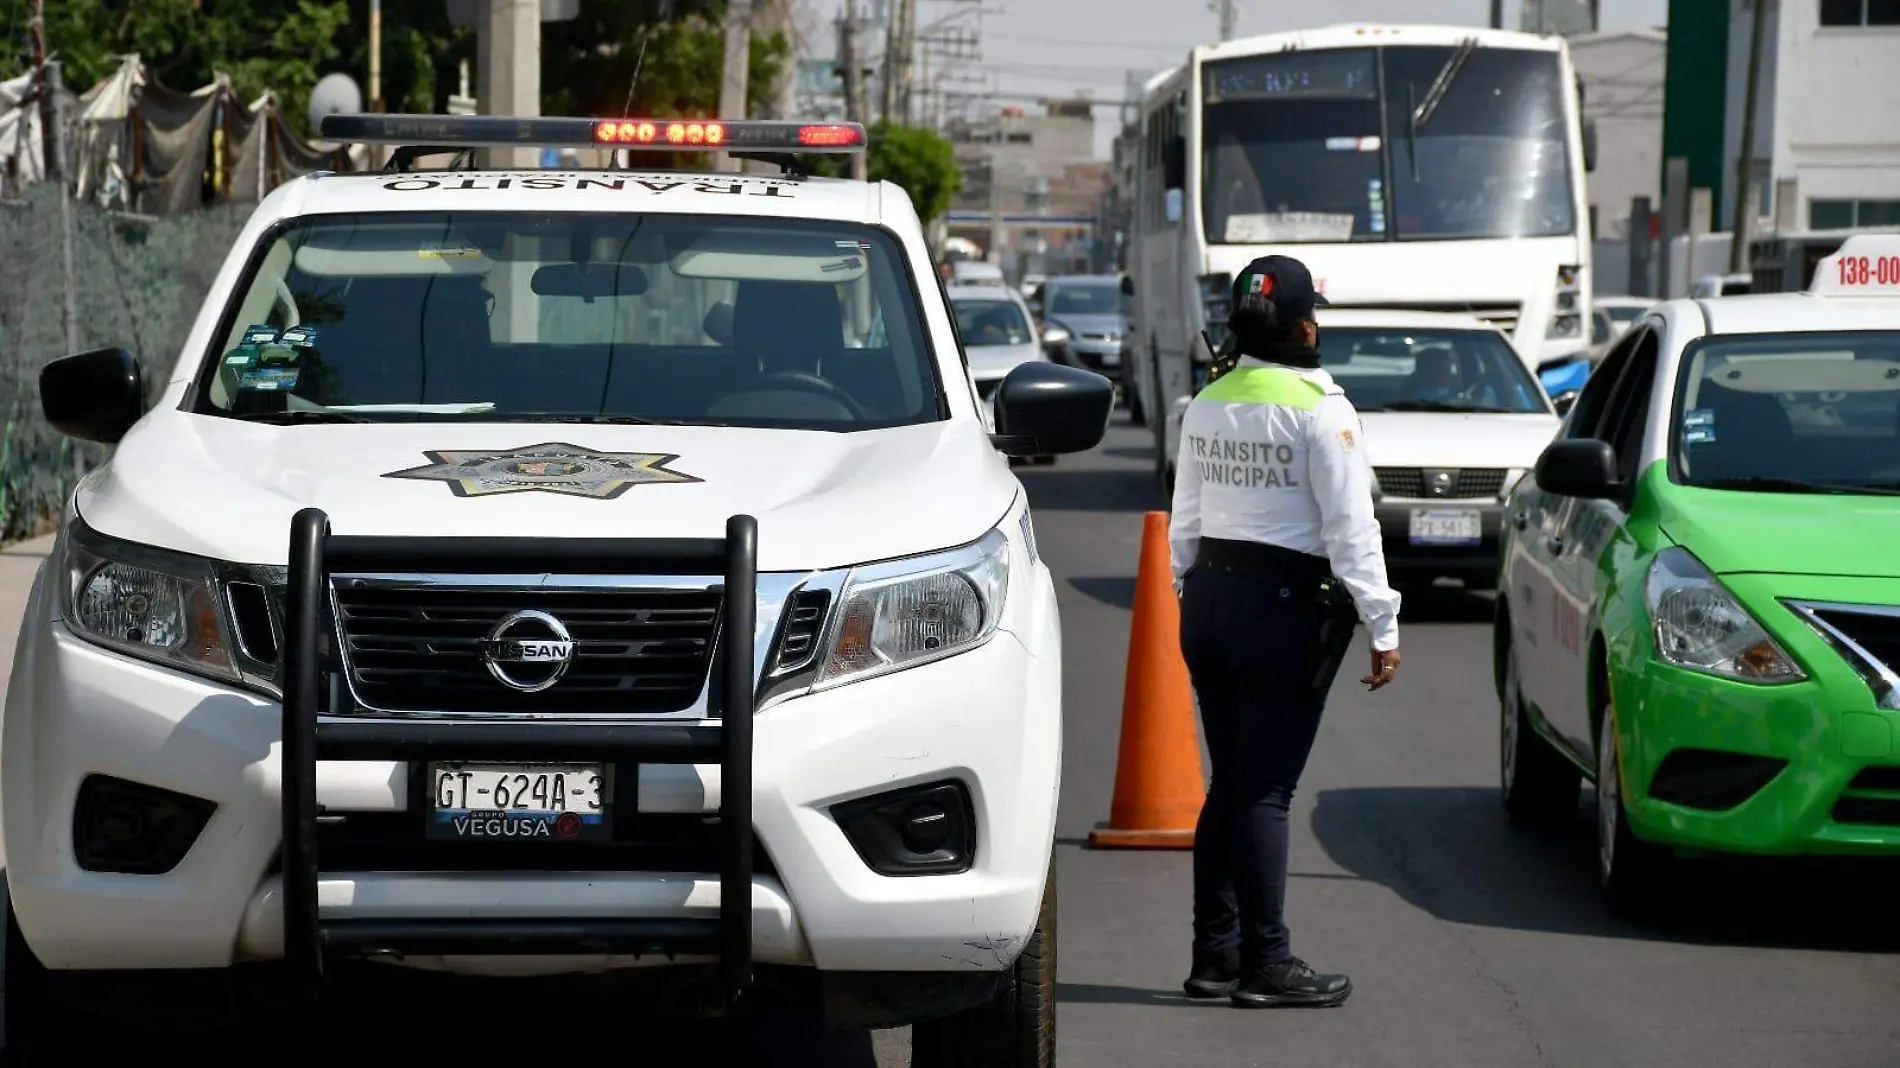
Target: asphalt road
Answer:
[[1470, 944]]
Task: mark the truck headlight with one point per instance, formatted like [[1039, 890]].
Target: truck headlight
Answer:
[[145, 602], [1700, 626], [902, 613]]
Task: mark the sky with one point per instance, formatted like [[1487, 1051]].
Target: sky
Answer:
[[1036, 48]]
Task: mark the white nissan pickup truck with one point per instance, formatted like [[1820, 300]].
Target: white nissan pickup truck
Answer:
[[529, 573]]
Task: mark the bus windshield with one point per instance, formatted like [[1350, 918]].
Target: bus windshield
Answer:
[[1351, 145]]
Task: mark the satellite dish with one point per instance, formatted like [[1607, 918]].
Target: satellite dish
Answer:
[[334, 94]]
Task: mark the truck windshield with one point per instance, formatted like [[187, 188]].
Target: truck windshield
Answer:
[[1790, 413], [574, 317], [1353, 145], [1400, 369]]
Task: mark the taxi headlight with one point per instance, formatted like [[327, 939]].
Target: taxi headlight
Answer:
[[1700, 626], [145, 602], [907, 612]]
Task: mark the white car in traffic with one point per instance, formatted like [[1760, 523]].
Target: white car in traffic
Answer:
[[1452, 420], [544, 573], [999, 335]]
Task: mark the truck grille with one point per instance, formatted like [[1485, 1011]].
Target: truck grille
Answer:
[[419, 649], [1419, 483]]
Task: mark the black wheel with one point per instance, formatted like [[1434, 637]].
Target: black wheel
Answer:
[[1631, 872], [1016, 1028], [37, 1030], [1538, 785]]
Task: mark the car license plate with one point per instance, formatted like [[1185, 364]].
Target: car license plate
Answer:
[[517, 802], [1433, 527]]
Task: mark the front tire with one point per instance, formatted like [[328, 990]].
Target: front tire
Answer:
[[1538, 785], [1014, 1029], [1630, 871]]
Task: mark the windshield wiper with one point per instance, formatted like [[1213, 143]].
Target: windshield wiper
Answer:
[[590, 417], [1776, 484], [302, 415], [1438, 406], [1422, 114]]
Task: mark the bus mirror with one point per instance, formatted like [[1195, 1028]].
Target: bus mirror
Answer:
[[1174, 164], [1589, 144]]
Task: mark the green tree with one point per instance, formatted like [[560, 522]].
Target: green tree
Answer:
[[918, 160]]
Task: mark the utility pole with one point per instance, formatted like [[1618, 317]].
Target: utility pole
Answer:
[[1229, 18], [53, 85], [1745, 164], [853, 78], [1497, 14], [376, 56], [732, 88], [36, 32], [899, 42]]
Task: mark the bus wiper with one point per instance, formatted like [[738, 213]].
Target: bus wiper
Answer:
[[1425, 109], [1439, 406], [1777, 484]]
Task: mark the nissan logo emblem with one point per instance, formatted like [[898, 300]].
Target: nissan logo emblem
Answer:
[[534, 639]]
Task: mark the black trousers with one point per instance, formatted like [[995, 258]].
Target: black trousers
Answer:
[[1262, 653]]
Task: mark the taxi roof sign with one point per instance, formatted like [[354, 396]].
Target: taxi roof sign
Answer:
[[1867, 265]]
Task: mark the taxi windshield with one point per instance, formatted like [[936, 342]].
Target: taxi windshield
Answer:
[[990, 322], [1399, 369], [570, 317], [1790, 413]]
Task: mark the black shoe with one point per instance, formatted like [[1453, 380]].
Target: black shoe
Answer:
[[1212, 979], [1291, 983]]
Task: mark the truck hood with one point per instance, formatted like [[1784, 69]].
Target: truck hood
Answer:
[[227, 489], [1733, 531], [1457, 440]]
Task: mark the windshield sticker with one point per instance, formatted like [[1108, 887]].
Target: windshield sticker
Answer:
[[298, 337], [1698, 435], [1352, 144], [280, 379], [1699, 417], [257, 335], [449, 252], [553, 467]]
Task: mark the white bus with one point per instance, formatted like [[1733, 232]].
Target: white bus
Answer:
[[1423, 167]]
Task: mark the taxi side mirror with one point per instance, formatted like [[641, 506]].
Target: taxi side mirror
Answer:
[[1047, 409], [1579, 467]]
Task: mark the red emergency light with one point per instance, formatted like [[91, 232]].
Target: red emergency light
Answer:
[[502, 131]]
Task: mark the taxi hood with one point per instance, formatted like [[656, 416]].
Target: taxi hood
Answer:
[[227, 489], [1736, 531]]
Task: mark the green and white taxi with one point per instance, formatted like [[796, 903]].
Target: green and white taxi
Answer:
[[1699, 601]]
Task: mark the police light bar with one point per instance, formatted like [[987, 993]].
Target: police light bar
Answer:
[[503, 131], [1867, 265]]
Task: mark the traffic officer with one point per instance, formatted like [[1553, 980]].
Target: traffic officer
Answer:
[[1274, 547]]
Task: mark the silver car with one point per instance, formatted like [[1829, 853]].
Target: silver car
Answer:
[[998, 334]]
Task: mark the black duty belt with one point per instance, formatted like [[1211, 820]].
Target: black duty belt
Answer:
[[1260, 559]]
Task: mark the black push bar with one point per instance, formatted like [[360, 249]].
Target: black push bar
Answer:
[[311, 732]]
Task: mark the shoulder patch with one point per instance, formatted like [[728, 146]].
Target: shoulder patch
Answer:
[[1348, 441]]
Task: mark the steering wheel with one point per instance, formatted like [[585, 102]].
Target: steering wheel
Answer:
[[803, 381]]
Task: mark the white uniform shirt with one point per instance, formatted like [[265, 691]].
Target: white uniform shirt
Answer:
[[1273, 454]]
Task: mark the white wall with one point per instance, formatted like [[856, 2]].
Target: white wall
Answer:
[[1623, 81], [1837, 107]]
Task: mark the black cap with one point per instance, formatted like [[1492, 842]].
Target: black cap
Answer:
[[1285, 282]]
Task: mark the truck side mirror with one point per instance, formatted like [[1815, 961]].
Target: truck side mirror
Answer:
[[93, 396]]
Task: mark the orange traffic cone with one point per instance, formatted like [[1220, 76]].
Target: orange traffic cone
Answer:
[[1158, 784]]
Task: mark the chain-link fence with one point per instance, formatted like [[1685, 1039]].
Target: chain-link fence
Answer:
[[138, 285]]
